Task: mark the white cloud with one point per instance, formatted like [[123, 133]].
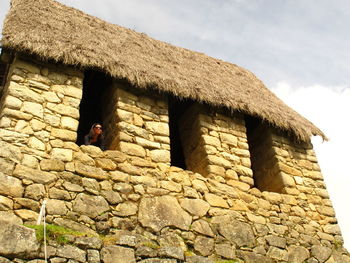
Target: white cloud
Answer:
[[329, 109]]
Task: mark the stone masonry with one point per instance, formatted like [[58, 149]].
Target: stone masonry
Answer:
[[130, 203]]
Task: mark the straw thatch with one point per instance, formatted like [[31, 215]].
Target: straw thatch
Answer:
[[54, 31]]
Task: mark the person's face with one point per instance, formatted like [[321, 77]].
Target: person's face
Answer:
[[98, 129]]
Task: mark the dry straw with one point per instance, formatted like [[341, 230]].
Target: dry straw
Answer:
[[54, 31]]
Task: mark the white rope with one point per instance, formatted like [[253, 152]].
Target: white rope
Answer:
[[42, 216]]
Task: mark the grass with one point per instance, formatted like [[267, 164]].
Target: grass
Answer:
[[55, 233]]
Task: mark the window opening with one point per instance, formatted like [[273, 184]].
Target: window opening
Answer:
[[266, 172], [177, 110], [4, 67], [92, 106]]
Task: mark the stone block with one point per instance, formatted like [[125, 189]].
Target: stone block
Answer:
[[10, 186], [64, 135], [91, 206], [16, 114], [17, 240], [36, 144], [210, 140], [69, 123], [160, 156], [228, 139], [27, 215], [158, 212], [33, 108], [90, 171], [71, 252], [157, 128], [24, 93], [12, 102], [132, 149], [196, 207], [204, 245], [56, 207], [5, 203], [215, 200], [126, 209], [201, 226], [106, 164], [52, 165], [35, 191], [112, 254]]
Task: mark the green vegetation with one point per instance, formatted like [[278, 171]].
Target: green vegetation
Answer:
[[55, 233]]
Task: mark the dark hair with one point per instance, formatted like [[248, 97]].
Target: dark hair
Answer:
[[92, 132]]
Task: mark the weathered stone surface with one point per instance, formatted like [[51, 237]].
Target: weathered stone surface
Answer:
[[225, 250], [277, 253], [204, 245], [321, 253], [90, 205], [26, 214], [201, 226], [27, 203], [215, 200], [10, 218], [10, 186], [158, 128], [35, 191], [55, 193], [93, 256], [198, 259], [34, 175], [112, 254], [160, 156], [251, 257], [65, 155], [112, 196], [51, 165], [88, 242], [171, 252], [90, 171], [56, 207], [106, 164], [298, 254], [126, 209], [158, 212], [72, 252], [276, 241], [235, 231], [17, 240], [195, 207], [24, 93], [5, 203], [132, 149]]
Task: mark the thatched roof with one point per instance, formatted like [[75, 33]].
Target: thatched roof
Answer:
[[54, 31]]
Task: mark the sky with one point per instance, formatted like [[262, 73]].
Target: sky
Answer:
[[299, 49]]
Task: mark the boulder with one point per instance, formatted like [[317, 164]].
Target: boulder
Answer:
[[235, 231], [16, 240], [162, 211], [90, 205], [112, 254]]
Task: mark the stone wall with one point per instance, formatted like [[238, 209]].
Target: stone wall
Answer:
[[151, 211]]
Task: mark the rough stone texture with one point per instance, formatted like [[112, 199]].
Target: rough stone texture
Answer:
[[72, 252], [90, 205], [17, 240], [118, 254], [235, 231], [195, 207], [158, 212], [142, 204], [10, 186]]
